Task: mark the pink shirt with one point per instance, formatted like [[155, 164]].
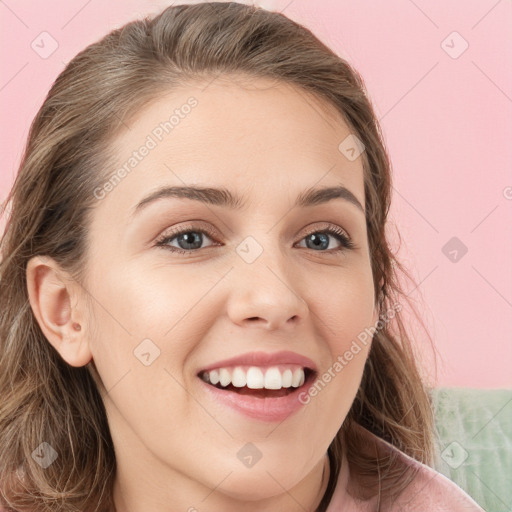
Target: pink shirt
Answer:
[[430, 491]]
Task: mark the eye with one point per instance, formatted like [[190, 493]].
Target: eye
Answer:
[[190, 239], [319, 238]]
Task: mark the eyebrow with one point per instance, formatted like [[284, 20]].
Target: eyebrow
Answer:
[[223, 197]]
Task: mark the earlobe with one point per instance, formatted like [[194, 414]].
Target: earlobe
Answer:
[[51, 296]]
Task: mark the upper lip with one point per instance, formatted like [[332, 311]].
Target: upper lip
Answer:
[[263, 359]]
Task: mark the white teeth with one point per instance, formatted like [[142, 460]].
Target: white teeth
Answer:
[[255, 378], [273, 379], [298, 378], [214, 377], [239, 379], [225, 377], [287, 378]]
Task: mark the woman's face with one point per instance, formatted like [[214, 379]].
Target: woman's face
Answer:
[[267, 277]]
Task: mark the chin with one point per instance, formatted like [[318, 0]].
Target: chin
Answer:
[[251, 484]]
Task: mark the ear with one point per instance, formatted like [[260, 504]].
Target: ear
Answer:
[[52, 294]]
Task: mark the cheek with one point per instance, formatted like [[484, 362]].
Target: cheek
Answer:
[[151, 300], [351, 321], [348, 334], [345, 317], [345, 307], [140, 309], [141, 345]]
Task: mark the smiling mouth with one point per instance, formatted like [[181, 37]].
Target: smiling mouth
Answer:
[[263, 392]]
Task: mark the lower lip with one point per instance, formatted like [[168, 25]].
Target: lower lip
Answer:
[[263, 409]]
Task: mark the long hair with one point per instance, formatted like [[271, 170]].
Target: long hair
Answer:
[[43, 399]]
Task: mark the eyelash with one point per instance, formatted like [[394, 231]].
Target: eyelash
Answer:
[[338, 233]]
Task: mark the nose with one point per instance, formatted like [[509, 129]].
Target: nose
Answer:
[[265, 294]]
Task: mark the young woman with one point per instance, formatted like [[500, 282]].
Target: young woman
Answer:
[[199, 307]]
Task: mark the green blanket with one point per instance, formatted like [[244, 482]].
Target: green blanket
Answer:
[[474, 429]]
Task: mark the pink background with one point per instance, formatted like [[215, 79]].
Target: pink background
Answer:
[[447, 119]]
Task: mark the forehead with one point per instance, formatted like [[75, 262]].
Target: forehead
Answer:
[[261, 135]]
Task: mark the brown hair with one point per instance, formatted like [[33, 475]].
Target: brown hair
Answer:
[[42, 397]]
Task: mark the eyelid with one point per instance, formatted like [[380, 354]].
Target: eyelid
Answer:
[[325, 226], [192, 225]]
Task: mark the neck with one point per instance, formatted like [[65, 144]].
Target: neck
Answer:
[[120, 505]]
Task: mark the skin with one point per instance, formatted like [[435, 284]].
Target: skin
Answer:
[[176, 448]]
